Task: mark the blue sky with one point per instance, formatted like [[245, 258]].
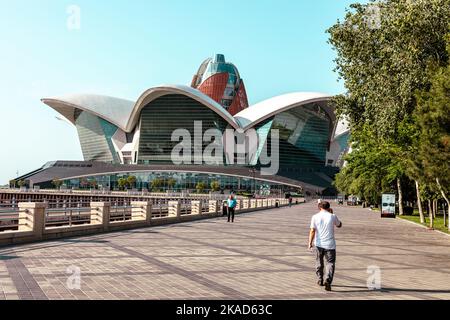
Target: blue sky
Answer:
[[124, 47]]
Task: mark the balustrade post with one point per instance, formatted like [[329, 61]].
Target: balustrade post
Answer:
[[32, 217], [100, 214]]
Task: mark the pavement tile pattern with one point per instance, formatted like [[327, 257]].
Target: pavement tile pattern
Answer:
[[262, 255]]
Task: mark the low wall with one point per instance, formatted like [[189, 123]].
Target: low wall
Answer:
[[33, 226]]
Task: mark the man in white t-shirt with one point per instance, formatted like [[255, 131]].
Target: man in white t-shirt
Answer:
[[322, 233]]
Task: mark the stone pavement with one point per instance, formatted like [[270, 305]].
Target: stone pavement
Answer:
[[262, 255]]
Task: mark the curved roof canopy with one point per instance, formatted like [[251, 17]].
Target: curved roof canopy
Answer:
[[114, 110], [124, 113], [156, 92], [265, 109]]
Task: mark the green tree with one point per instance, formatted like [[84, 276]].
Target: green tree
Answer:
[[200, 187], [384, 64], [21, 183], [57, 183], [156, 184], [171, 183], [383, 56], [131, 181], [122, 183], [369, 171], [433, 120], [215, 185], [12, 183]]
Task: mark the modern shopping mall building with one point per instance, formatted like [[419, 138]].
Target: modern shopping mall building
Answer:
[[120, 138]]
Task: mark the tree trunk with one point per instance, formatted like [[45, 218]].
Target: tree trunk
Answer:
[[433, 205], [400, 197], [445, 216], [419, 203], [430, 214], [446, 200]]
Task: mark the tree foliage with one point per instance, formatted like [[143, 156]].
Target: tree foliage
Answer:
[[433, 121], [156, 184], [215, 185], [201, 186], [383, 55], [131, 181], [57, 183], [122, 183], [171, 183], [388, 53]]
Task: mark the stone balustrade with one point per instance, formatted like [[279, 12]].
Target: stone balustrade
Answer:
[[33, 224], [213, 206], [259, 203], [238, 205], [174, 208], [196, 207]]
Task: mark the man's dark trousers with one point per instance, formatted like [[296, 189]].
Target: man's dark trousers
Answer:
[[330, 260], [230, 214]]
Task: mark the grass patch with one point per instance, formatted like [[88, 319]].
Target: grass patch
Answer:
[[438, 221]]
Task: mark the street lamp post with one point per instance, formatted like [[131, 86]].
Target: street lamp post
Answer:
[[253, 172]]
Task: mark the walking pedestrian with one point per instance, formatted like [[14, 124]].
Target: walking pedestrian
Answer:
[[231, 203], [322, 233]]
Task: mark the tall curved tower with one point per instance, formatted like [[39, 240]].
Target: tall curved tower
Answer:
[[221, 81]]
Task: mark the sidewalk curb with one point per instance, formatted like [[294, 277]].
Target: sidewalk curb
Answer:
[[422, 226]]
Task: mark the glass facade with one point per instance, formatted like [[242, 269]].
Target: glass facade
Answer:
[[95, 137], [164, 115], [304, 136], [343, 143], [181, 181]]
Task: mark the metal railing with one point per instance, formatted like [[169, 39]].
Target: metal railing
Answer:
[[9, 219], [160, 211], [120, 213], [68, 214], [135, 193], [55, 217]]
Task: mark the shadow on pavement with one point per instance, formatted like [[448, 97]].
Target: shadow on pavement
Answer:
[[387, 290], [83, 241], [4, 258]]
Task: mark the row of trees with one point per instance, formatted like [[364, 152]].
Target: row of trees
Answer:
[[129, 182], [158, 184], [393, 56]]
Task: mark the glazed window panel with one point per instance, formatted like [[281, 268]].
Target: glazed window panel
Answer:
[[166, 114], [304, 135], [95, 137]]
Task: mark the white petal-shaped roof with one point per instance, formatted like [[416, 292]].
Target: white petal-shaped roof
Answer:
[[124, 113], [156, 92], [270, 107], [114, 110]]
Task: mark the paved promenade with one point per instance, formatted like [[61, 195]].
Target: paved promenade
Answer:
[[262, 255]]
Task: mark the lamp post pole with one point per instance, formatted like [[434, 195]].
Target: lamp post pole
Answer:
[[253, 172]]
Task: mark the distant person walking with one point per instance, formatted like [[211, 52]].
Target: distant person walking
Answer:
[[231, 203], [290, 201], [322, 233]]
